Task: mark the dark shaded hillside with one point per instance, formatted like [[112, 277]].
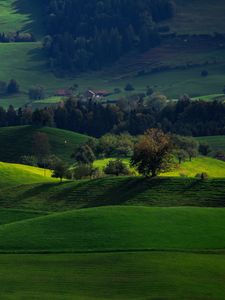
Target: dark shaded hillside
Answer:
[[118, 229], [116, 191], [17, 141]]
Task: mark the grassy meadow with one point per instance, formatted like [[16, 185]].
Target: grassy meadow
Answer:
[[118, 228], [162, 192], [215, 142], [114, 276], [121, 245], [213, 167], [16, 174], [29, 68], [114, 238], [17, 141]]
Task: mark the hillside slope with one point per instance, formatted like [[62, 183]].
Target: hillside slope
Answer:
[[118, 228], [163, 192], [16, 174], [17, 141], [198, 17]]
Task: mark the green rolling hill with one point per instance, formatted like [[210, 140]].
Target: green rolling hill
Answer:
[[124, 238], [163, 192], [118, 228], [16, 174], [17, 141], [13, 215]]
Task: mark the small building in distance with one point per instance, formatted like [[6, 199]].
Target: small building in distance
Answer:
[[97, 93]]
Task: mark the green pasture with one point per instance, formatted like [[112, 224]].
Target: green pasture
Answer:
[[113, 276], [29, 68], [17, 141], [118, 228], [13, 215], [15, 174], [213, 167], [163, 192]]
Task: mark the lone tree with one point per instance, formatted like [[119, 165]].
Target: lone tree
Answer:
[[59, 170], [153, 153]]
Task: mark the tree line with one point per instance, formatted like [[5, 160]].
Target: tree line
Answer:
[[94, 33], [133, 115]]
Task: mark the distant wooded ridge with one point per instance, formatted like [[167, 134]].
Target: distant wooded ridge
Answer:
[[90, 34]]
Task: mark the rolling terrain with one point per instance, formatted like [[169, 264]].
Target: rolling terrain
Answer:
[[117, 256], [16, 174], [118, 228], [163, 192], [18, 142], [114, 238], [130, 248]]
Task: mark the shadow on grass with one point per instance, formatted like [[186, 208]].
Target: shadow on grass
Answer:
[[34, 13]]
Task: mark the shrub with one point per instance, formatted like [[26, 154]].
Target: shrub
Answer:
[[83, 171], [202, 176], [129, 87], [116, 167], [204, 149]]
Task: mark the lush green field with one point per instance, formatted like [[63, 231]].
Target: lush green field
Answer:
[[17, 141], [118, 228], [215, 142], [12, 215], [213, 167], [113, 276], [29, 69], [15, 174]]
